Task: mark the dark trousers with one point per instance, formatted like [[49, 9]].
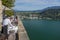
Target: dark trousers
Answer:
[[4, 30], [17, 38]]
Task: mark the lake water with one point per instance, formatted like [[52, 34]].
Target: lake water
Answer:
[[42, 29]]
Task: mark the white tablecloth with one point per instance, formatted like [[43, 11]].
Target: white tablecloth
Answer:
[[15, 28]]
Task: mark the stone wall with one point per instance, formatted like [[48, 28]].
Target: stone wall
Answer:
[[0, 13]]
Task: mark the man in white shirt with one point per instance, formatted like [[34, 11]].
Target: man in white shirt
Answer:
[[6, 22]]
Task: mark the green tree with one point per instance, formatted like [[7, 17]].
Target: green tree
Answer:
[[8, 3], [9, 12]]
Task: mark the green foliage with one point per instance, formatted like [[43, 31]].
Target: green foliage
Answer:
[[9, 12], [52, 13], [8, 3]]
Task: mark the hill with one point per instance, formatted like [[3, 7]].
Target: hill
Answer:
[[49, 12]]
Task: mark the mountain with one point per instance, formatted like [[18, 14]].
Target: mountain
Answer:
[[52, 7], [49, 12]]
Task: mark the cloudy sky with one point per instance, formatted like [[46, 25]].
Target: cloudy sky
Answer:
[[26, 5]]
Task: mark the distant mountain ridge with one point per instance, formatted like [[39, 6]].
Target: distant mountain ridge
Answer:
[[53, 7], [49, 12]]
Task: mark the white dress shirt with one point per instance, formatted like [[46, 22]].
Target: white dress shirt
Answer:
[[7, 22]]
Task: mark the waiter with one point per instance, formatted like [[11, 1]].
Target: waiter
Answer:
[[6, 22]]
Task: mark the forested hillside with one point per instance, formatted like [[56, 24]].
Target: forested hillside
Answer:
[[50, 12]]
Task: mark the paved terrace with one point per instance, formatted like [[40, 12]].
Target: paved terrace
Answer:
[[22, 34]]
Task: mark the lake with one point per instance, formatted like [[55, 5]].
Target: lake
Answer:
[[42, 29]]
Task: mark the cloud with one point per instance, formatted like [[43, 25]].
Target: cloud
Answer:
[[35, 4]]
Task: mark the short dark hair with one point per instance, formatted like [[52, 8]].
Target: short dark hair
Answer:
[[16, 17]]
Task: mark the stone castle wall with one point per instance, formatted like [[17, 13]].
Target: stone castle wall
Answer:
[[0, 12]]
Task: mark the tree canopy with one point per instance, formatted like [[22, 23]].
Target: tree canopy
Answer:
[[8, 3], [9, 12]]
